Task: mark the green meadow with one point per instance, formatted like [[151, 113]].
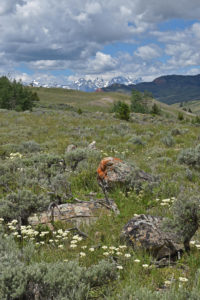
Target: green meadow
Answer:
[[39, 262]]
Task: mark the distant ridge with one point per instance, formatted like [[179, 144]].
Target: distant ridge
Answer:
[[168, 89]]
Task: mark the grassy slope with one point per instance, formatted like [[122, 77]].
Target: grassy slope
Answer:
[[54, 130], [100, 101], [193, 105]]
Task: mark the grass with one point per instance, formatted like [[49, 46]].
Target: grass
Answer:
[[54, 129]]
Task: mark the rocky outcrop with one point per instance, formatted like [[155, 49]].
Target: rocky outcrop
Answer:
[[114, 172], [146, 232], [76, 213]]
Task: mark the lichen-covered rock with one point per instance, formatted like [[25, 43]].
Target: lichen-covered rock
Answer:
[[76, 213], [146, 232], [113, 171]]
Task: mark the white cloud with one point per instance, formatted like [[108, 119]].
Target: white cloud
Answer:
[[148, 52], [56, 35]]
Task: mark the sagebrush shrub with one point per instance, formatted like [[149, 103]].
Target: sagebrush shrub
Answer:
[[22, 279], [190, 156], [168, 141], [137, 140], [22, 204]]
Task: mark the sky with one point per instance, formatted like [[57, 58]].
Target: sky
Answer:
[[62, 40]]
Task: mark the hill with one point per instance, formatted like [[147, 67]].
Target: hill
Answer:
[[45, 160], [168, 89], [61, 99]]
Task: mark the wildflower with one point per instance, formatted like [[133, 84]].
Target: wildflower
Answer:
[[127, 255], [50, 241], [74, 242], [42, 243], [137, 260], [65, 260], [61, 246], [112, 248], [73, 246], [123, 247], [183, 279], [166, 200], [198, 246], [167, 282], [164, 204], [106, 253], [15, 233], [91, 249], [14, 221], [118, 253], [104, 247], [192, 242], [82, 254], [119, 267], [1, 220], [83, 247], [145, 266], [76, 237]]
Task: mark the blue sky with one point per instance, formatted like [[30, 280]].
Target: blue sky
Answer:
[[59, 41]]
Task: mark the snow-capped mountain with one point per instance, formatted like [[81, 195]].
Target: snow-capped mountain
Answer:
[[90, 85]]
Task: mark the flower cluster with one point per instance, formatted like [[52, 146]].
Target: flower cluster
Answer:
[[15, 155], [166, 202]]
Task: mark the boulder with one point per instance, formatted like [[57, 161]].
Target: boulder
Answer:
[[77, 213], [146, 232], [70, 148], [92, 146], [113, 171]]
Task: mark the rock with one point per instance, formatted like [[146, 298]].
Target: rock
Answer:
[[113, 171], [70, 148], [92, 146], [146, 232], [76, 213]]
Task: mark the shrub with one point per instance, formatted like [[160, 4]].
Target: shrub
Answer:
[[137, 140], [29, 147], [190, 156], [22, 204], [155, 109], [168, 141], [122, 110], [180, 116], [22, 279], [137, 103], [186, 216], [176, 131]]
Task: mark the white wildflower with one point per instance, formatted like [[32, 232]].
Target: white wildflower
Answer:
[[127, 255], [183, 279]]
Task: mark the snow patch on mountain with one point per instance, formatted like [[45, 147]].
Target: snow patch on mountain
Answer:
[[89, 85]]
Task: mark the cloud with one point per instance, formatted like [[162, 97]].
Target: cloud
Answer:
[[56, 35], [148, 52]]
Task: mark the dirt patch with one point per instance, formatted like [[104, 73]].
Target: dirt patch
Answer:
[[103, 102]]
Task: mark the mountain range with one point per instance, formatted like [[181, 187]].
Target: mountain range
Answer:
[[90, 85], [168, 89]]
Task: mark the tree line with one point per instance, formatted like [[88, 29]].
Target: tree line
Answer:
[[15, 96]]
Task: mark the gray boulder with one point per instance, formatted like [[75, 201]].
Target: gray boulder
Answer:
[[114, 172], [146, 232]]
